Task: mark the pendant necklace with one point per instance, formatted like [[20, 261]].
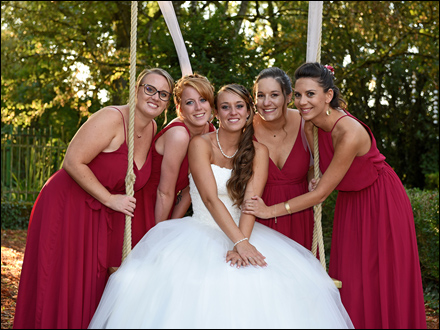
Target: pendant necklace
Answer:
[[220, 147]]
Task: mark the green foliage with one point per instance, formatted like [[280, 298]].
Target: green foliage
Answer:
[[385, 54], [431, 181], [426, 217], [15, 215]]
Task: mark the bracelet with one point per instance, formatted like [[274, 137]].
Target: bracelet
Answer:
[[287, 206], [244, 239]]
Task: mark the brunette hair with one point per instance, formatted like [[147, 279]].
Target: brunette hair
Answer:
[[325, 78], [242, 163], [279, 75], [200, 83]]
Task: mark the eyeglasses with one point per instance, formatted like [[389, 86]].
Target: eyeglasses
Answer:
[[151, 90]]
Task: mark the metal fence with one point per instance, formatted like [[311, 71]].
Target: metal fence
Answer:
[[29, 157]]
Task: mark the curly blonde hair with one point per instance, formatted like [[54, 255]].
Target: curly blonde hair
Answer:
[[242, 163]]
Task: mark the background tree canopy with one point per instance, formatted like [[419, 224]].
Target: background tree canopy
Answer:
[[63, 60]]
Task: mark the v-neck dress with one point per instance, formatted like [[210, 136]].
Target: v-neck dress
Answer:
[[374, 247], [72, 240], [286, 183]]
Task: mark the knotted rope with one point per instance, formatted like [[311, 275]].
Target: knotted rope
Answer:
[[314, 35], [131, 177], [173, 26], [314, 55]]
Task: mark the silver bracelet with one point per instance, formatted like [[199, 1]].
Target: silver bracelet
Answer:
[[244, 239]]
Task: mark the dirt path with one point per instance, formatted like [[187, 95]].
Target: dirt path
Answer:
[[13, 244]]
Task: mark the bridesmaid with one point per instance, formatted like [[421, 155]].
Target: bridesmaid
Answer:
[[374, 247], [76, 227], [281, 129], [166, 195]]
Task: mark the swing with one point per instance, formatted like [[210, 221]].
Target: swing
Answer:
[[313, 54]]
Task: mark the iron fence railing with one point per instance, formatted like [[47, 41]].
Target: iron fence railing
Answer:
[[28, 158]]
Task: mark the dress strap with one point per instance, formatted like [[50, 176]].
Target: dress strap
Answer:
[[337, 122], [176, 123], [123, 121]]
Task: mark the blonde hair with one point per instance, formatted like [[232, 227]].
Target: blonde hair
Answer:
[[200, 83], [242, 163], [160, 72]]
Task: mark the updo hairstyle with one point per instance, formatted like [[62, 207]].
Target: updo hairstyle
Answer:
[[325, 78]]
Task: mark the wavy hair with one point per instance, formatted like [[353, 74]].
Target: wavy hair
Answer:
[[242, 163], [200, 83], [325, 78]]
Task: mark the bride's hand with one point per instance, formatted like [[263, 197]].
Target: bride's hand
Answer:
[[234, 258], [250, 255], [256, 207]]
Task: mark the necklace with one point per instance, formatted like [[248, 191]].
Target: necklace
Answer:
[[220, 147]]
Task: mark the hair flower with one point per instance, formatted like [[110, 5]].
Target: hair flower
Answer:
[[330, 68]]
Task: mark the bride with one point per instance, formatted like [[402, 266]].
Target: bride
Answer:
[[178, 276]]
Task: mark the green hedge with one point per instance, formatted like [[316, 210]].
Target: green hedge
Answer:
[[15, 215]]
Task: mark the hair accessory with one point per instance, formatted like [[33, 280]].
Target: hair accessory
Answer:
[[330, 68]]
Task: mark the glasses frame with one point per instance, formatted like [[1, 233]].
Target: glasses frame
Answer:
[[156, 91]]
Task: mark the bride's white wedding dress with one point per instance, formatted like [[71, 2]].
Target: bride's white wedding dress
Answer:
[[177, 277]]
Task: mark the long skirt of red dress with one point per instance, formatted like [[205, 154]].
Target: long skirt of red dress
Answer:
[[374, 253], [64, 270]]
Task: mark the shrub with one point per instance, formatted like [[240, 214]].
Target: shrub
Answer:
[[425, 204], [15, 215], [431, 181]]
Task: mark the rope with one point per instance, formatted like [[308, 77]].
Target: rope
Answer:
[[314, 35], [131, 177]]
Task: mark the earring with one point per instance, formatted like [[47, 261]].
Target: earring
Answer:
[[329, 111]]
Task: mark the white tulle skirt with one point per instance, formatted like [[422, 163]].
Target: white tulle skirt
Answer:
[[177, 277]]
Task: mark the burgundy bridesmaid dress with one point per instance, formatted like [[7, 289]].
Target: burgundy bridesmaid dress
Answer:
[[374, 248], [72, 240]]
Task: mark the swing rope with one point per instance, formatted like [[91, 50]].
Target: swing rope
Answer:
[[313, 54], [314, 35], [130, 176], [173, 26]]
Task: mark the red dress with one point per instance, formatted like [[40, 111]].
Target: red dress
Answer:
[[149, 193], [374, 248], [72, 240], [286, 183]]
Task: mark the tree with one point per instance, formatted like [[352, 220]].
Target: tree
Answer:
[[385, 55]]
